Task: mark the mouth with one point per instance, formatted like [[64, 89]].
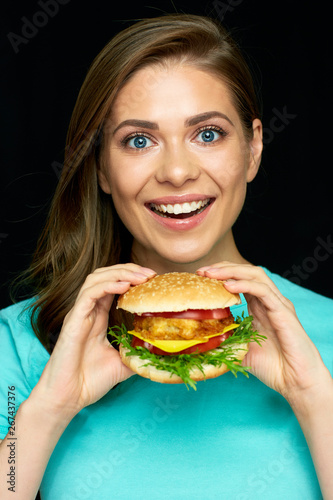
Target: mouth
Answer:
[[180, 210]]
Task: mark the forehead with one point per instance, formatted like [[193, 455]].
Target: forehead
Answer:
[[161, 91]]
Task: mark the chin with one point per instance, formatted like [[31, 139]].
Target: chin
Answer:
[[186, 251]]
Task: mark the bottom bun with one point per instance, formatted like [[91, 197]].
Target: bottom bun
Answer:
[[137, 365]]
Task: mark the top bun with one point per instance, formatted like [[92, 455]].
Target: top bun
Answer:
[[173, 292]]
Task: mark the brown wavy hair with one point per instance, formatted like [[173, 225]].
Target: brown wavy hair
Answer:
[[83, 231]]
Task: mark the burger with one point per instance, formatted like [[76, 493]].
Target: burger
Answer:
[[183, 329]]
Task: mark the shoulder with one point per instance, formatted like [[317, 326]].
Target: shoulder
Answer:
[[20, 349], [314, 311], [22, 357], [15, 322], [303, 298], [15, 311]]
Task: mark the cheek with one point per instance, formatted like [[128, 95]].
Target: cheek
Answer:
[[123, 195], [118, 186], [228, 171], [127, 178]]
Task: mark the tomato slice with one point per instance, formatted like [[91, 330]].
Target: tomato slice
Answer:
[[193, 314], [212, 343]]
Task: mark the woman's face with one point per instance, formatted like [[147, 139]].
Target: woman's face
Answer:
[[176, 164]]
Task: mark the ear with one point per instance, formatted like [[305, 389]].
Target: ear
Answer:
[[103, 181], [256, 146]]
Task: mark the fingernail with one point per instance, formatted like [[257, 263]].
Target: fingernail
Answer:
[[213, 270], [148, 272], [141, 275], [230, 282]]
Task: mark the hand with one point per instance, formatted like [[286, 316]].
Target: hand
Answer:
[[84, 366], [287, 361]]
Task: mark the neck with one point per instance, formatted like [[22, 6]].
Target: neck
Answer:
[[226, 252]]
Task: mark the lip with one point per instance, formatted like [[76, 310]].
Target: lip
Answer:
[[180, 224]]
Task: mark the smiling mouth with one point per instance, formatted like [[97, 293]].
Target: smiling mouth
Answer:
[[180, 210]]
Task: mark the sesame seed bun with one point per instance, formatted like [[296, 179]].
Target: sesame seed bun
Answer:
[[174, 292]]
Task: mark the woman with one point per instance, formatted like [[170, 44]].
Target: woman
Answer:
[[164, 138]]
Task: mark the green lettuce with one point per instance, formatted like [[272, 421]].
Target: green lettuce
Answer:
[[182, 364]]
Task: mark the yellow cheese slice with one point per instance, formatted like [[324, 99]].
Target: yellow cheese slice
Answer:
[[179, 345]]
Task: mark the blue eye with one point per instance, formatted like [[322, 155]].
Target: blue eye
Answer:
[[139, 142], [208, 135]]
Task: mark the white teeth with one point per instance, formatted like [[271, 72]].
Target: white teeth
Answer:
[[177, 209], [186, 208], [180, 208]]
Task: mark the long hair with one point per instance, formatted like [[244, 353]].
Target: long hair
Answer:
[[83, 231]]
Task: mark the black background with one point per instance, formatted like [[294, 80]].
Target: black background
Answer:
[[288, 213]]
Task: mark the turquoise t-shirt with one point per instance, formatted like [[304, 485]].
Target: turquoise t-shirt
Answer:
[[233, 438]]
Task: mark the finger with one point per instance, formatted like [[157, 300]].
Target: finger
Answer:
[[90, 296], [114, 274], [130, 266], [229, 271], [274, 302]]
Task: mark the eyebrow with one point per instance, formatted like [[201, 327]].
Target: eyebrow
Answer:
[[137, 123], [193, 120]]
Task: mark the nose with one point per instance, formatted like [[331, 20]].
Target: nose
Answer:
[[177, 166]]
